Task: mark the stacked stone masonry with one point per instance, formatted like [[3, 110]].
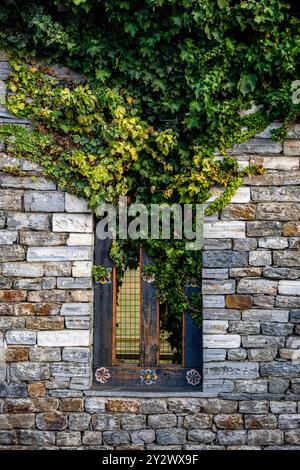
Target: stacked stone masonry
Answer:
[[251, 292]]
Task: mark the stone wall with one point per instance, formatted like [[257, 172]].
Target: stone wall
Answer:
[[251, 287]]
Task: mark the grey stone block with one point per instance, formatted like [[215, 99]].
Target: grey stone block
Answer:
[[277, 329], [75, 354], [224, 259], [199, 435], [258, 146], [31, 437], [30, 238], [238, 354], [232, 437], [95, 405], [173, 436], [72, 369], [252, 386], [22, 269], [289, 421], [278, 385], [8, 237], [265, 437], [162, 421], [131, 421], [262, 354], [244, 327], [92, 438], [79, 421], [265, 315], [21, 337], [280, 407], [20, 221], [59, 253], [281, 369], [260, 341], [292, 437], [231, 370], [263, 229], [44, 201], [74, 283], [149, 406], [254, 406], [12, 390], [257, 286], [81, 223], [25, 182], [260, 258], [116, 438], [143, 436], [29, 371], [295, 316], [68, 439], [106, 422], [44, 354]]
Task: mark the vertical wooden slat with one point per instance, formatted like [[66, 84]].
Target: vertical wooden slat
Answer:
[[104, 308], [192, 336], [149, 327]]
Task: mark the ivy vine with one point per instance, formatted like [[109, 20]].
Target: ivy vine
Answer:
[[166, 82]]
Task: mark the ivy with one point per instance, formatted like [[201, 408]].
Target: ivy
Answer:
[[169, 88]]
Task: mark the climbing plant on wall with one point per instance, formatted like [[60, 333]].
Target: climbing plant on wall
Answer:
[[166, 85]]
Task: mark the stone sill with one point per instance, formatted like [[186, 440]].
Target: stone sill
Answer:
[[144, 394]]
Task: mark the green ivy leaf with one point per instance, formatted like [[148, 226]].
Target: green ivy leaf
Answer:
[[131, 28], [222, 4], [247, 83]]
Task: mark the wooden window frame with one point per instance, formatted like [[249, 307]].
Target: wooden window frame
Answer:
[[151, 376]]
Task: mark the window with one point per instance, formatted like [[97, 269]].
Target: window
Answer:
[[131, 348]]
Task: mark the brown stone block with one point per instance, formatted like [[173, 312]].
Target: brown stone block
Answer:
[[16, 354], [71, 404], [36, 389], [12, 253], [291, 147], [122, 406], [238, 301], [42, 309], [6, 309], [50, 296], [278, 211], [239, 212], [13, 295], [45, 323], [51, 421], [267, 421], [44, 405], [234, 421], [291, 229], [17, 421], [18, 405]]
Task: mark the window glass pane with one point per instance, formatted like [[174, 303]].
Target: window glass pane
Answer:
[[128, 319]]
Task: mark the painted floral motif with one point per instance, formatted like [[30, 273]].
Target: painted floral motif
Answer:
[[193, 377], [102, 375], [148, 278], [107, 278], [193, 282], [148, 376]]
